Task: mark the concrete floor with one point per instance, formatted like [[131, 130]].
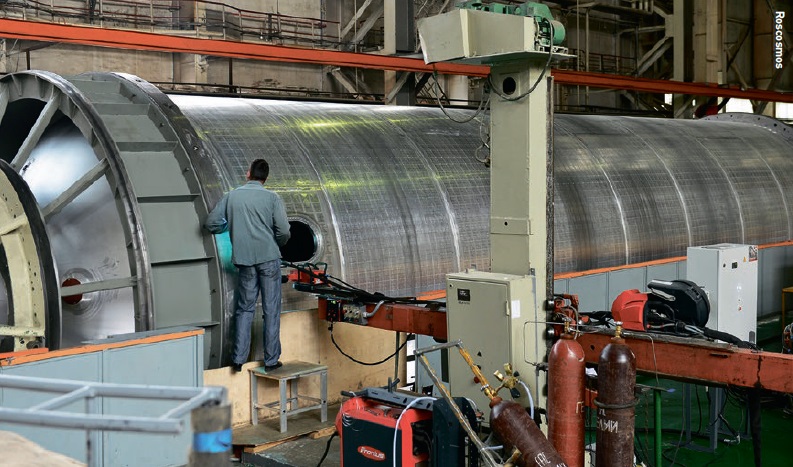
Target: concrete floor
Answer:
[[294, 448], [304, 452]]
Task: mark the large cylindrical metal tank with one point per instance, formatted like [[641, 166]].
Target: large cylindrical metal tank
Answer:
[[392, 198]]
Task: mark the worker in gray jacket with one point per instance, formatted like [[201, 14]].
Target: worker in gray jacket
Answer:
[[256, 220]]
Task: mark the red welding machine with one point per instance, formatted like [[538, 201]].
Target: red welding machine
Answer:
[[630, 307], [667, 303], [366, 428]]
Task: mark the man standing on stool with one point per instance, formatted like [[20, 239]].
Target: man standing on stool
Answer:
[[256, 220]]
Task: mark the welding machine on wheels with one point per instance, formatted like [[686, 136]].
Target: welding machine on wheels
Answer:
[[427, 433]]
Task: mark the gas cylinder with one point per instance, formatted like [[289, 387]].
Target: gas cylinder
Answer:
[[510, 422], [616, 403], [566, 399]]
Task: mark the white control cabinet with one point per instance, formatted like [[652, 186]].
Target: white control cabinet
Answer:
[[728, 273], [494, 316]]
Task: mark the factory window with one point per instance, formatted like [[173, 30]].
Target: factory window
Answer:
[[739, 105], [304, 242]]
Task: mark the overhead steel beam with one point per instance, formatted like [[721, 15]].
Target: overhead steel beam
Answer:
[[135, 40], [600, 80]]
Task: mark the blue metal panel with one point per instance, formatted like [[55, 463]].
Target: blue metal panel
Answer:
[[84, 367], [561, 286], [177, 362], [592, 292], [666, 272], [171, 363], [625, 279]]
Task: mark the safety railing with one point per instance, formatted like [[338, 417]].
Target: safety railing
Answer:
[[599, 63], [52, 412], [201, 18]]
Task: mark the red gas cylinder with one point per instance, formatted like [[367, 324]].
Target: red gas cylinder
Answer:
[[616, 403], [566, 380], [510, 422]]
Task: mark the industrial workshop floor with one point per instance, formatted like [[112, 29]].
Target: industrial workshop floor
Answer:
[[302, 445], [733, 449]]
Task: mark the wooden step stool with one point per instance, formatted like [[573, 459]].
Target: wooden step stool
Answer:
[[290, 372]]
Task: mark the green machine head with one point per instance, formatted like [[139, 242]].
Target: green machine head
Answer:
[[551, 32]]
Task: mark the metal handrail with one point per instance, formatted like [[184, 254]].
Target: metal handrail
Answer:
[[47, 414], [161, 14]]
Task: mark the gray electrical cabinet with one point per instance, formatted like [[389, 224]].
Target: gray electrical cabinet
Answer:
[[494, 316], [728, 274]]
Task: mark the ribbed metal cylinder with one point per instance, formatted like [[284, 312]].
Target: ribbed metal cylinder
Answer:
[[400, 199], [391, 198]]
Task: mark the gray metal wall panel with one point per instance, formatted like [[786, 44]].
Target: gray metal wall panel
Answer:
[[85, 367], [666, 271], [172, 363], [625, 279], [561, 285], [592, 291]]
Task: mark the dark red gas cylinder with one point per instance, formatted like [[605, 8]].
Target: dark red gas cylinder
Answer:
[[616, 404], [510, 422], [566, 379]]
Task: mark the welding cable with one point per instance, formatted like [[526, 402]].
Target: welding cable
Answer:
[[327, 448], [728, 338], [396, 428], [483, 103], [358, 294], [484, 141], [333, 339]]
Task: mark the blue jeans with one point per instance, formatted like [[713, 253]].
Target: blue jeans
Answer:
[[265, 278]]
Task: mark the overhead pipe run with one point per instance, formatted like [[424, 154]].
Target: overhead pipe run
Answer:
[[391, 198]]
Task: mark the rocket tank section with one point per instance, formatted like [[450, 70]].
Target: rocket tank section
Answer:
[[124, 176]]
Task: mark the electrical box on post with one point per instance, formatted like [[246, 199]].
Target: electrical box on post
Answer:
[[494, 316], [728, 273]]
